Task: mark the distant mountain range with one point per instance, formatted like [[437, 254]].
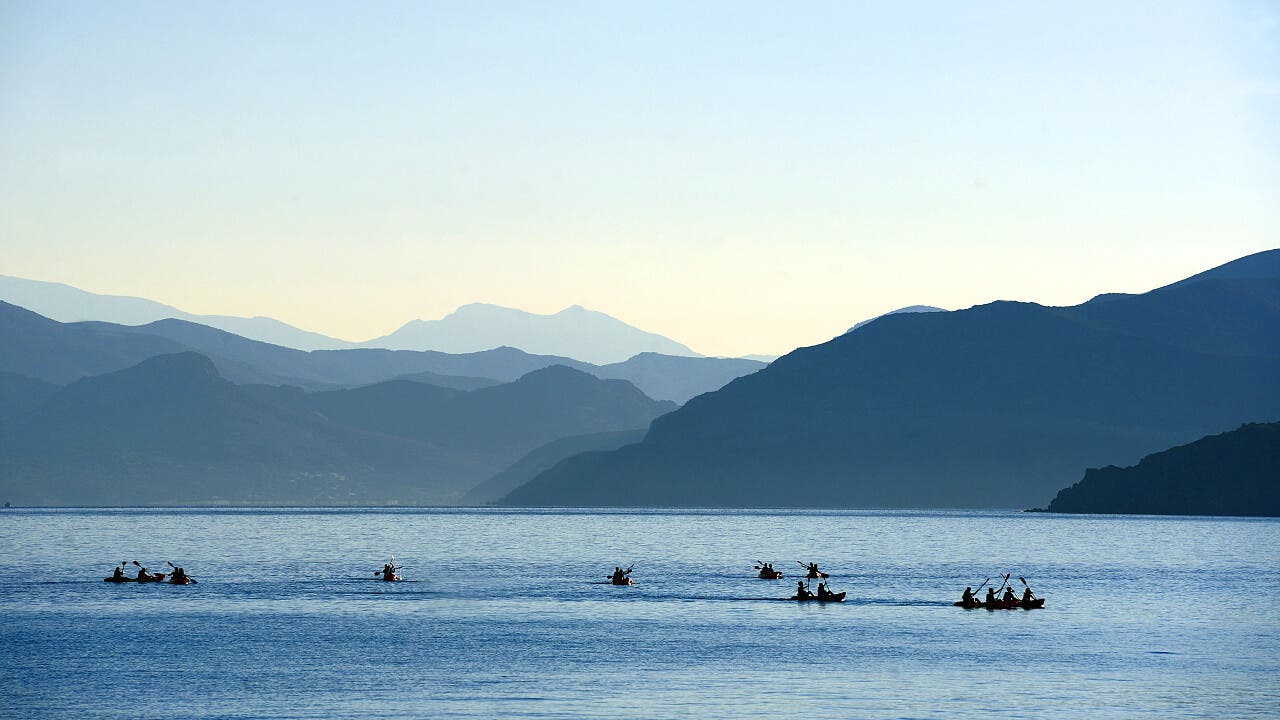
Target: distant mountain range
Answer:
[[68, 304], [575, 332], [1234, 473], [999, 405], [59, 353], [171, 430]]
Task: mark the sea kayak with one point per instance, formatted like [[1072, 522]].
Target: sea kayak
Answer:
[[1001, 604], [818, 576], [833, 597], [623, 581], [157, 577], [770, 575], [185, 580]]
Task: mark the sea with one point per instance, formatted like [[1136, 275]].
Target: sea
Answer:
[[508, 614]]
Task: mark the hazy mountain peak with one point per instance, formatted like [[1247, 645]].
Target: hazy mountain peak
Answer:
[[575, 332], [899, 311]]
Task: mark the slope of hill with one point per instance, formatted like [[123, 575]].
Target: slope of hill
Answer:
[[544, 458], [573, 332], [68, 304], [995, 406], [171, 430], [667, 377], [41, 348], [1234, 473], [20, 394], [503, 421]]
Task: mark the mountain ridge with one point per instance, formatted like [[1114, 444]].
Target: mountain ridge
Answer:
[[1007, 400]]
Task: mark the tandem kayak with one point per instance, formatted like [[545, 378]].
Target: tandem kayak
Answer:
[[157, 577], [1001, 604], [833, 597], [818, 576], [770, 575], [623, 581]]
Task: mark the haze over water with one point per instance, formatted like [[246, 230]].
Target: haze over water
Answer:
[[507, 614]]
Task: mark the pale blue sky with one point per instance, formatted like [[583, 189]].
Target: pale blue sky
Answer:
[[743, 177]]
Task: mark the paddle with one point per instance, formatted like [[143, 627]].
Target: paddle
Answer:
[[1028, 587]]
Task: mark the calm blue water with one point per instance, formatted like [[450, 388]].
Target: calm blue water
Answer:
[[507, 614]]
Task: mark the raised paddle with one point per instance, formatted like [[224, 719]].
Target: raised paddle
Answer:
[[1028, 587], [984, 584]]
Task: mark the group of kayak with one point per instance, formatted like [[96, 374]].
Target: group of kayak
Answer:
[[994, 600], [390, 572], [177, 577]]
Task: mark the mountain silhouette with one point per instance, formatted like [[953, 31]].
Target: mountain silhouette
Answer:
[[62, 352], [999, 405], [1233, 473], [172, 430], [68, 304], [573, 332]]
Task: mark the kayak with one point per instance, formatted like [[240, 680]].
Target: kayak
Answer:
[[185, 580], [157, 577], [393, 578], [623, 581], [818, 576], [770, 575], [1001, 604], [834, 597]]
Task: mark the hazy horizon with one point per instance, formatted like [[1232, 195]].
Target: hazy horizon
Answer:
[[739, 178]]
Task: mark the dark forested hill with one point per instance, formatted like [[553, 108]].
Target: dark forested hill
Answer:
[[999, 405], [1234, 473]]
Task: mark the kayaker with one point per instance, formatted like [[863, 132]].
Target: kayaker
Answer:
[[143, 575], [813, 571], [388, 572], [823, 592], [179, 576], [1027, 596], [801, 592], [991, 597], [118, 574], [1009, 597], [967, 598], [619, 576]]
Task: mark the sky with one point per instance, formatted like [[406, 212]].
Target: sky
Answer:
[[743, 177]]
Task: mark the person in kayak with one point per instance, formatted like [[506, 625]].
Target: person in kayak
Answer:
[[1009, 597], [117, 575], [388, 572], [144, 576], [991, 597], [179, 576], [967, 598], [801, 592], [823, 592], [619, 576], [1027, 596]]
